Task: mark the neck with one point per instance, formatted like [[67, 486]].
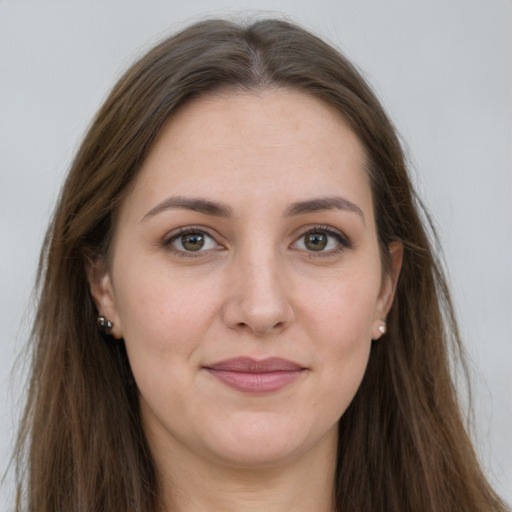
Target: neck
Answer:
[[304, 484]]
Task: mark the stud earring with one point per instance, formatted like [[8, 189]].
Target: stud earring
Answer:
[[382, 328], [104, 324]]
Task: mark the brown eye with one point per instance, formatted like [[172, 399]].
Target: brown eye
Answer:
[[192, 241], [315, 241], [322, 240]]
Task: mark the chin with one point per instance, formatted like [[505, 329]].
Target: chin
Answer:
[[261, 443]]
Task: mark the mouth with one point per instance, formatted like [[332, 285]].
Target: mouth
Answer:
[[256, 376]]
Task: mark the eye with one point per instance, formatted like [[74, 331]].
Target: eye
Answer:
[[190, 241], [322, 240]]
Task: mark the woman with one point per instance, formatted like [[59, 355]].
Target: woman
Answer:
[[239, 305]]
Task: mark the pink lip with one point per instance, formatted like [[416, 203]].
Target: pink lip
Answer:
[[253, 376]]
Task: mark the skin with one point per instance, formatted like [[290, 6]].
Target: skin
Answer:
[[254, 289]]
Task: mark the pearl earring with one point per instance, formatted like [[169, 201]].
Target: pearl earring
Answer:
[[382, 328]]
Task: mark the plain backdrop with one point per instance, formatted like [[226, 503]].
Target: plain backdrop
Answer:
[[443, 69]]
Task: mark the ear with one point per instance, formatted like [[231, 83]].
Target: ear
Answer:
[[102, 291], [388, 288]]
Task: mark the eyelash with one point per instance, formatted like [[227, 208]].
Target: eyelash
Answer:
[[189, 230], [343, 241]]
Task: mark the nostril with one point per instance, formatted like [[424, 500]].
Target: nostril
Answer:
[[259, 329]]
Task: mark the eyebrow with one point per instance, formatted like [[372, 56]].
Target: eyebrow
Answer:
[[219, 209], [324, 203], [191, 203]]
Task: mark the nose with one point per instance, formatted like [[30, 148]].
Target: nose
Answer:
[[259, 298]]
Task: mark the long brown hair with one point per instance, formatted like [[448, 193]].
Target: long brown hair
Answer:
[[403, 445]]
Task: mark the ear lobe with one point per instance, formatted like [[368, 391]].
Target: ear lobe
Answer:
[[102, 291], [388, 288]]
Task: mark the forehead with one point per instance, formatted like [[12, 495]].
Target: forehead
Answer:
[[254, 146]]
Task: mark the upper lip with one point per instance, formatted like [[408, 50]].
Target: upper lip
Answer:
[[249, 365]]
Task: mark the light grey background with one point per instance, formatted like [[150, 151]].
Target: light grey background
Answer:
[[443, 68]]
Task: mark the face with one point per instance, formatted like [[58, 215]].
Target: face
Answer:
[[246, 279]]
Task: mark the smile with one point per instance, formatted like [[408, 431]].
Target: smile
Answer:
[[251, 376]]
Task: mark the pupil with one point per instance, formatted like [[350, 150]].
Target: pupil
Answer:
[[316, 241], [193, 242]]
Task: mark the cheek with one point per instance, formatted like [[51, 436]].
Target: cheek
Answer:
[[163, 327], [163, 321], [344, 307], [340, 323]]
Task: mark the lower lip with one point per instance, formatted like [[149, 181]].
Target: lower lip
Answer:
[[267, 382]]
